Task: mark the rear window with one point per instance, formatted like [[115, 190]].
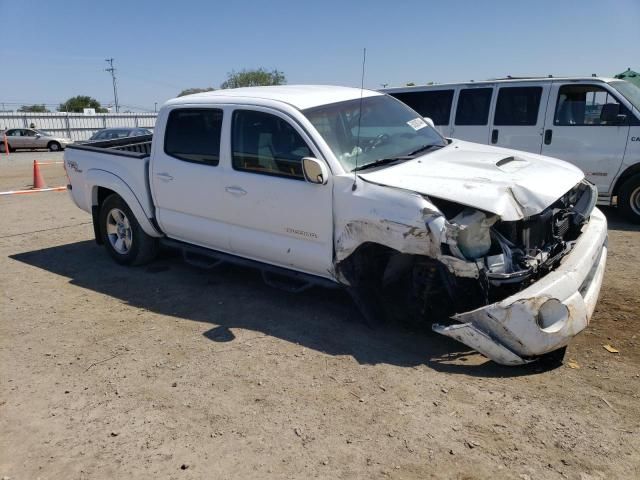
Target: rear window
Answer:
[[193, 135], [518, 106], [435, 104], [473, 106]]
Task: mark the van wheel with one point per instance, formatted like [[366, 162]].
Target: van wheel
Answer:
[[54, 147], [629, 198], [122, 235]]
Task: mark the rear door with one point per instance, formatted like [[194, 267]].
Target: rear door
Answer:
[[578, 129], [185, 177], [15, 138], [473, 108], [519, 115]]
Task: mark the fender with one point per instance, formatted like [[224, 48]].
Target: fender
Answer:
[[101, 178]]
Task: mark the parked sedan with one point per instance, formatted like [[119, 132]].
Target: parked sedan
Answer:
[[30, 138], [114, 133]]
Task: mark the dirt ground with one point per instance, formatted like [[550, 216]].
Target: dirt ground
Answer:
[[168, 371]]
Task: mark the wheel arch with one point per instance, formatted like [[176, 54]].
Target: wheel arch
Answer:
[[106, 183], [627, 174]]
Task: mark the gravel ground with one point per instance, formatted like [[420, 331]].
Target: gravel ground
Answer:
[[167, 371]]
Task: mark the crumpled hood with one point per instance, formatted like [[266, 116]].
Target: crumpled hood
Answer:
[[509, 183]]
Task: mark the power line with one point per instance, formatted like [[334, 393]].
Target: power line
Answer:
[[112, 71]]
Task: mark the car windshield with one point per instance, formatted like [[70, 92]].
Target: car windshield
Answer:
[[387, 129], [42, 132], [628, 91]]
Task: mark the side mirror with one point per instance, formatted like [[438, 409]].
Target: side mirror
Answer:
[[621, 119], [38, 135], [315, 171], [429, 122]]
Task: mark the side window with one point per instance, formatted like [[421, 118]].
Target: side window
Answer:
[[518, 106], [265, 143], [580, 105], [12, 133], [193, 134], [29, 133], [435, 104], [473, 106]]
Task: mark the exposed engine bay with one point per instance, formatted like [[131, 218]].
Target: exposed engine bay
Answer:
[[500, 258]]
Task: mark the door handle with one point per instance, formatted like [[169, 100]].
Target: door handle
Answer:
[[235, 190], [548, 136], [494, 136], [164, 176]]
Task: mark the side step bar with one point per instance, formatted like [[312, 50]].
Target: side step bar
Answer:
[[277, 277]]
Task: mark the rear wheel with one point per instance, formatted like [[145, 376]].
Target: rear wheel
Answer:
[[2, 147], [54, 147], [629, 198], [123, 237]]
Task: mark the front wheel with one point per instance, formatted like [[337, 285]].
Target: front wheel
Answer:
[[629, 198], [54, 147], [123, 236]]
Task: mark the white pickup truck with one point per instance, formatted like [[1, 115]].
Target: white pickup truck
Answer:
[[501, 250]]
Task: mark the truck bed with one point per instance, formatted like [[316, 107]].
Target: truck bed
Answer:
[[124, 162]]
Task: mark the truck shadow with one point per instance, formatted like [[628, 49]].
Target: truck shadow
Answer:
[[231, 297]]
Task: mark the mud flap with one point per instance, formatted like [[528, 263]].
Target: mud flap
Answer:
[[478, 340]]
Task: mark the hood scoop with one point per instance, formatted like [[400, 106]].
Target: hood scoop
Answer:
[[512, 164]]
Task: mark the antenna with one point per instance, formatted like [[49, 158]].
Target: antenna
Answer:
[[355, 170]]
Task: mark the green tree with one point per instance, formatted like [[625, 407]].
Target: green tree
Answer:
[[253, 78], [410, 84], [191, 91], [78, 103], [33, 109]]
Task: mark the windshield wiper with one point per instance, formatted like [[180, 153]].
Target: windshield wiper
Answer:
[[382, 161], [424, 148]]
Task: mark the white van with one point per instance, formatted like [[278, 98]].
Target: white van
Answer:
[[591, 122]]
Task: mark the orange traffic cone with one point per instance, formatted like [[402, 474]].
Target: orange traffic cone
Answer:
[[38, 181]]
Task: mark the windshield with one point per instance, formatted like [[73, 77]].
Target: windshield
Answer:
[[629, 91], [388, 129], [42, 132]]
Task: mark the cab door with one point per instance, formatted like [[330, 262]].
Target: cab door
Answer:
[[471, 120], [519, 115], [185, 177], [278, 217], [582, 127]]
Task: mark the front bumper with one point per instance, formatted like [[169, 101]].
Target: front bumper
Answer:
[[544, 316]]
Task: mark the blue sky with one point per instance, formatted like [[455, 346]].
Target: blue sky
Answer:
[[53, 50]]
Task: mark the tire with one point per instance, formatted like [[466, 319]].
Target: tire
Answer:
[[123, 236], [2, 147], [629, 198], [54, 147]]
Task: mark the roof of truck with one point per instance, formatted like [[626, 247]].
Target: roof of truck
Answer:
[[299, 96]]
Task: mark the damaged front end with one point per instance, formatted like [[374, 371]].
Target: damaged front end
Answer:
[[540, 278], [512, 290]]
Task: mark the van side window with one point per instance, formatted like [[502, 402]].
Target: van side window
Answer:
[[517, 106], [580, 105], [473, 106], [435, 104], [193, 135], [264, 143]]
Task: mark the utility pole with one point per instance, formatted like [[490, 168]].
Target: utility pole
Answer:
[[112, 71]]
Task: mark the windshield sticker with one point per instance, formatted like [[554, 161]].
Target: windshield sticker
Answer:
[[417, 123]]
